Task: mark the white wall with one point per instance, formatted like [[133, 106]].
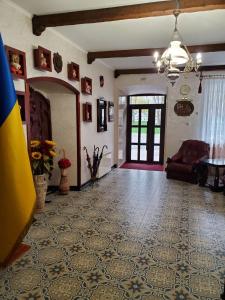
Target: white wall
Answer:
[[16, 30], [63, 115], [177, 128]]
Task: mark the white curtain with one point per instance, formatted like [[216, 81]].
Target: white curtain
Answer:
[[213, 116]]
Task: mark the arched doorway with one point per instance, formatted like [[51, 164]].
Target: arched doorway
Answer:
[[45, 82]]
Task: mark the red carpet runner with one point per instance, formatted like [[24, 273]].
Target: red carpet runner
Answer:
[[142, 167]]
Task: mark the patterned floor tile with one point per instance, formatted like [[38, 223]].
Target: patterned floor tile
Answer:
[[134, 235]]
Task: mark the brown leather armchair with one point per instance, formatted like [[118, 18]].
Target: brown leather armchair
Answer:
[[183, 165]]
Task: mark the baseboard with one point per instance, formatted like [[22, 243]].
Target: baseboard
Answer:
[[55, 188]]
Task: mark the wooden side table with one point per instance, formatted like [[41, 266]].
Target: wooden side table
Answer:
[[217, 164]]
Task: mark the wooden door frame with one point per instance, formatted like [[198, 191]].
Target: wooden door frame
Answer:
[[163, 119], [68, 86]]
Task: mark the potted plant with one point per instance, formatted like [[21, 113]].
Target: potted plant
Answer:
[[64, 163], [42, 154]]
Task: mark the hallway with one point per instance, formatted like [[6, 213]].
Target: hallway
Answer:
[[134, 235]]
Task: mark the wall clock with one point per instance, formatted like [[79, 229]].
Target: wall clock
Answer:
[[185, 89]]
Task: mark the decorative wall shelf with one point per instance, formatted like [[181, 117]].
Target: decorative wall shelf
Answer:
[[43, 59], [86, 85], [101, 115], [73, 71], [17, 62], [87, 112]]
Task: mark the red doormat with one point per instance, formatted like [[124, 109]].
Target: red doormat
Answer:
[[22, 248], [142, 167]]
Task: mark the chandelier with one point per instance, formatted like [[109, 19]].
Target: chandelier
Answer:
[[176, 58]]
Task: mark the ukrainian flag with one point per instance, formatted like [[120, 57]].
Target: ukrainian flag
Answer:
[[17, 193]]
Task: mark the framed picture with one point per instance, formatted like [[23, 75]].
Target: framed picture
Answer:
[[110, 111], [17, 62], [43, 59], [101, 115], [87, 112], [73, 71], [101, 80], [86, 85]]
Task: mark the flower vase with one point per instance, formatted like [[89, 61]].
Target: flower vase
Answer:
[[40, 184], [64, 183]]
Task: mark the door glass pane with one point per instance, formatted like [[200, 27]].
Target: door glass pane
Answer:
[[144, 135], [134, 135], [156, 99], [143, 152], [135, 116], [158, 117], [134, 152], [157, 135], [144, 116], [156, 153]]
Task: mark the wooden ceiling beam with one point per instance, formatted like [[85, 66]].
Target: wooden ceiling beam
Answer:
[[144, 10], [118, 72], [91, 56]]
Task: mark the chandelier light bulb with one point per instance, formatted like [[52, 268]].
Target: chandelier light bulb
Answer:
[[156, 56], [199, 58]]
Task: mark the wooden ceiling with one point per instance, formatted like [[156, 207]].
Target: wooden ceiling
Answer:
[[144, 10], [153, 9]]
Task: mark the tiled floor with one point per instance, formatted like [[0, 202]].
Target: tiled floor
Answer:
[[135, 235]]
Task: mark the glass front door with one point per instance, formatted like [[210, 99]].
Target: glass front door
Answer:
[[145, 140]]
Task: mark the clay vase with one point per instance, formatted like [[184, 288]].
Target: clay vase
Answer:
[[64, 183], [40, 184]]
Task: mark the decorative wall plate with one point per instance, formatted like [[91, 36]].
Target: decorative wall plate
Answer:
[[185, 89], [57, 61], [183, 108]]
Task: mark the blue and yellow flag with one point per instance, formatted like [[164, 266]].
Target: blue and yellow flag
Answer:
[[17, 193]]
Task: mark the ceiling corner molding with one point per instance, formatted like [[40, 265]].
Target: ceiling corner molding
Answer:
[[144, 10]]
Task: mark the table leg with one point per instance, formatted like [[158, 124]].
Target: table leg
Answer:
[[217, 177]]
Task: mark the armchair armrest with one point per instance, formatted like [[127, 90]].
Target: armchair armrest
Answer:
[[198, 161], [175, 158]]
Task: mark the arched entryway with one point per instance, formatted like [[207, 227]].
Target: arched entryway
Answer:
[[46, 83]]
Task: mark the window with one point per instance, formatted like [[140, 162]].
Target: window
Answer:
[[213, 112]]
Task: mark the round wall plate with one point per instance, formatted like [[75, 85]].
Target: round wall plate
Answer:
[[185, 89]]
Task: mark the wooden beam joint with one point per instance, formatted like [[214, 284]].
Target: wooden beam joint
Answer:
[[37, 26]]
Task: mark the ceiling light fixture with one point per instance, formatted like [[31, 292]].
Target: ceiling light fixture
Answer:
[[176, 58]]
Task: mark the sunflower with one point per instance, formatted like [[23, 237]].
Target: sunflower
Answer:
[[50, 143], [36, 155], [35, 143], [52, 153]]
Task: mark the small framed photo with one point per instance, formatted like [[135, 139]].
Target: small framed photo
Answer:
[[86, 85], [17, 62], [73, 71], [110, 111], [43, 59], [87, 112], [101, 80]]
